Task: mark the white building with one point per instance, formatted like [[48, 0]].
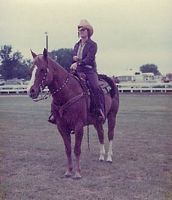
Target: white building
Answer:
[[138, 77]]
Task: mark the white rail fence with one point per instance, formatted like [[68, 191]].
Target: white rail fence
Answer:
[[145, 87], [123, 88], [13, 89]]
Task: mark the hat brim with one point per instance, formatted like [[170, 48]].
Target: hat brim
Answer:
[[89, 27]]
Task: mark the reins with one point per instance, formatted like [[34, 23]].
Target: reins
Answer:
[[43, 97], [48, 94], [88, 135]]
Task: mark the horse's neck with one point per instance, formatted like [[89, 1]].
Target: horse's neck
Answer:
[[64, 85], [59, 75]]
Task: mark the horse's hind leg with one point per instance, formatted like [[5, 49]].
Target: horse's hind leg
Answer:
[[111, 127], [100, 131]]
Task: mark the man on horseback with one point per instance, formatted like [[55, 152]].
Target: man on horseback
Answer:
[[84, 62]]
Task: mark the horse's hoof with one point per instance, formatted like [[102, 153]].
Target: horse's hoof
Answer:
[[67, 174], [101, 158], [77, 176], [109, 160]]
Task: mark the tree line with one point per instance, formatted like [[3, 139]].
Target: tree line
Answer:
[[13, 64]]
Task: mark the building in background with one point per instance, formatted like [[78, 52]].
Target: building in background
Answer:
[[167, 78], [138, 77]]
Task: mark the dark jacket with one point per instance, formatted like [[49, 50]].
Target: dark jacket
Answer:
[[88, 55]]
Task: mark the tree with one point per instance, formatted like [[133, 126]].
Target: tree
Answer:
[[23, 69], [63, 56], [150, 68], [5, 58], [12, 64]]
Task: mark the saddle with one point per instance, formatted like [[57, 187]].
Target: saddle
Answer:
[[106, 84]]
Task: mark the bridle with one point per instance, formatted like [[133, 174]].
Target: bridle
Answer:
[[48, 93], [41, 86]]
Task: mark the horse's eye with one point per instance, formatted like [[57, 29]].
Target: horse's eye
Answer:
[[42, 70], [30, 73]]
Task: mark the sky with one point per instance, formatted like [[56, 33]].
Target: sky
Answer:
[[129, 33]]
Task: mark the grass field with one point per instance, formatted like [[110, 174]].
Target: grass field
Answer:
[[32, 156]]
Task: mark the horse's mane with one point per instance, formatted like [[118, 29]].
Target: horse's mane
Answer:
[[55, 65]]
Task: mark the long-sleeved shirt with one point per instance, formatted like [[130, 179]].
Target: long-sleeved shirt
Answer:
[[86, 55]]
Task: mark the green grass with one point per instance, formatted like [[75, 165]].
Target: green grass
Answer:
[[33, 156]]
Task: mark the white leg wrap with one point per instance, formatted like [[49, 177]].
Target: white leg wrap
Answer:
[[110, 153], [102, 152]]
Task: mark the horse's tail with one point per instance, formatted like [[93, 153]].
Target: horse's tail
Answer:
[[114, 89]]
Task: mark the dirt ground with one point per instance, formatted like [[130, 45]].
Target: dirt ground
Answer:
[[32, 156]]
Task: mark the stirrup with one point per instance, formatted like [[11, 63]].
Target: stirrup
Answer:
[[51, 119], [101, 115]]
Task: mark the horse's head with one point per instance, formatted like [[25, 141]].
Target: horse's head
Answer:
[[42, 74]]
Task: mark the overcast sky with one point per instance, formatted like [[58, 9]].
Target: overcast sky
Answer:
[[129, 33]]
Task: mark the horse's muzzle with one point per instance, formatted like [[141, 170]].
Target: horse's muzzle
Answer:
[[33, 93]]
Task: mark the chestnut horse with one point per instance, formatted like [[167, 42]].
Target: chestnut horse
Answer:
[[69, 106]]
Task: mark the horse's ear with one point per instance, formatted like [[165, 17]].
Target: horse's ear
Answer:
[[33, 54], [45, 53]]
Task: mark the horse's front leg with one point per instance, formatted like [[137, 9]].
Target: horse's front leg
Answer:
[[67, 142], [77, 150]]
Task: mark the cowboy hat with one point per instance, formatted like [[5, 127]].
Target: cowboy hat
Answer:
[[85, 24]]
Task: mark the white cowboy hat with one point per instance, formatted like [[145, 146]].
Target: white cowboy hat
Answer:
[[85, 24]]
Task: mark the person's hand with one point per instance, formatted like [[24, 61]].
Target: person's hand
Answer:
[[75, 58], [73, 66]]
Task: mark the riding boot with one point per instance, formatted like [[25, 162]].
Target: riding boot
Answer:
[[100, 104], [51, 119]]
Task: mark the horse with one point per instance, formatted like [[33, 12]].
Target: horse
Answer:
[[69, 107]]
